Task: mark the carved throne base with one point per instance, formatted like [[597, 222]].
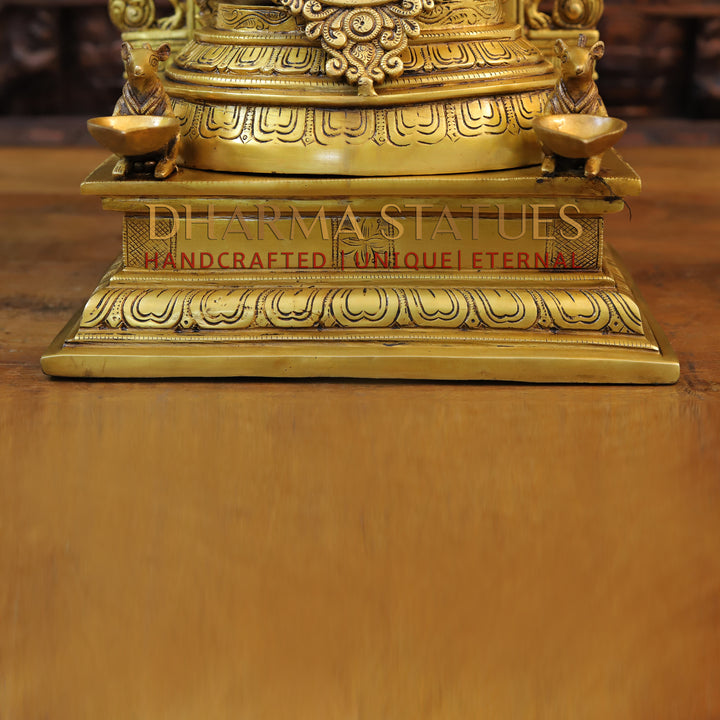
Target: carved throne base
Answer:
[[309, 277]]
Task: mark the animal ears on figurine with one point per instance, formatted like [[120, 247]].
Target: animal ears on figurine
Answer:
[[162, 53], [596, 51]]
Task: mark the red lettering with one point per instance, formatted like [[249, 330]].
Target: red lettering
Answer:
[[203, 266], [477, 261], [523, 260], [425, 262], [302, 259], [383, 261], [445, 258], [148, 260], [317, 255], [238, 260], [190, 260], [169, 260], [539, 261], [357, 262], [507, 261], [256, 262], [414, 266], [220, 256]]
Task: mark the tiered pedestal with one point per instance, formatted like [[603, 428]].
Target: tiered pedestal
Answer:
[[491, 276]]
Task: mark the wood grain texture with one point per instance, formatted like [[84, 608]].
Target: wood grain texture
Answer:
[[305, 550]]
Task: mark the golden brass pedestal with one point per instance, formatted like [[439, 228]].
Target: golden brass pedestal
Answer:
[[487, 276]]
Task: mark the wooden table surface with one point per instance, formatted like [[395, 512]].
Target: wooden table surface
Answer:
[[269, 550]]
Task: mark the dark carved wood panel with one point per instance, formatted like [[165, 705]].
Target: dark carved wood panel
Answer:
[[663, 58], [58, 58]]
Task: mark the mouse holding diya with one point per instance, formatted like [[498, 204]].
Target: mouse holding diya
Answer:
[[575, 123], [450, 161], [143, 130]]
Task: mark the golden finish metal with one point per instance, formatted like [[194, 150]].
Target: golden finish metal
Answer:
[[567, 21], [364, 44], [577, 13], [499, 359], [144, 128], [127, 15], [133, 15], [581, 14], [579, 136], [492, 311], [576, 95], [576, 91], [133, 135], [377, 206], [443, 89], [137, 20]]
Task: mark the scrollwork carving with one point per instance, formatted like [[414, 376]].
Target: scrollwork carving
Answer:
[[463, 12], [177, 19], [242, 18], [292, 60], [128, 15], [135, 15], [363, 42]]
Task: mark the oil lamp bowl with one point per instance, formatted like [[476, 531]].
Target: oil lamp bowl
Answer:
[[578, 136], [133, 135]]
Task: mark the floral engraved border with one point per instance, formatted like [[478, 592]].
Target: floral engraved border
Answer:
[[207, 310]]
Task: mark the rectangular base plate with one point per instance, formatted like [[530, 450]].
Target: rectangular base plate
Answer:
[[541, 362], [586, 326]]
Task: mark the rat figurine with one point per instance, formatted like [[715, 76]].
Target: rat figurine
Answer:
[[576, 92], [144, 94]]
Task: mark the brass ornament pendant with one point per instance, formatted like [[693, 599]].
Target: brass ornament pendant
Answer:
[[364, 43]]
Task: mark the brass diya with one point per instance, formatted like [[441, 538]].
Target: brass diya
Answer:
[[579, 136], [133, 135]]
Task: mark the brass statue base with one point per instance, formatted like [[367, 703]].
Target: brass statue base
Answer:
[[487, 276]]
